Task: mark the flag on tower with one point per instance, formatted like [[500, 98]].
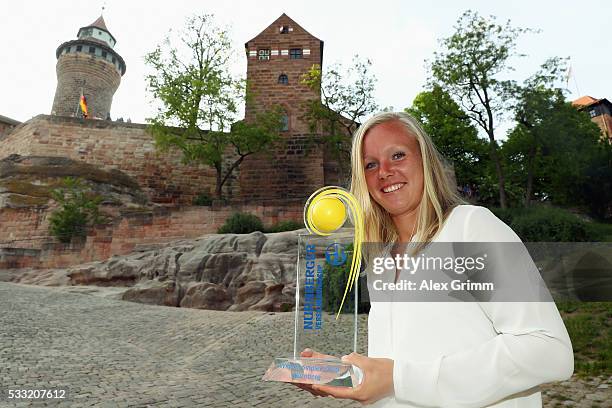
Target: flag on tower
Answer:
[[83, 105]]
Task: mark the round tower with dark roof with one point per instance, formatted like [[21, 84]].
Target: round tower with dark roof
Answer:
[[90, 66]]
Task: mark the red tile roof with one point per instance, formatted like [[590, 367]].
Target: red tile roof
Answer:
[[585, 101]]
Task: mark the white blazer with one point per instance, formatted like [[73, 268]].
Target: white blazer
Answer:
[[469, 354]]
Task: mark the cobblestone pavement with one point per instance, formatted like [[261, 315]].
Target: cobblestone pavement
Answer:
[[110, 353]]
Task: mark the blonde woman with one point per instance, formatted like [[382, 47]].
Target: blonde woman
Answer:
[[430, 354]]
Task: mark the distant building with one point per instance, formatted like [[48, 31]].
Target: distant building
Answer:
[[600, 111], [7, 125]]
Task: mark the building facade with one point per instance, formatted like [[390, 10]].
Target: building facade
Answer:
[[600, 111]]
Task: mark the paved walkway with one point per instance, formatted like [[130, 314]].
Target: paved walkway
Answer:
[[110, 353]]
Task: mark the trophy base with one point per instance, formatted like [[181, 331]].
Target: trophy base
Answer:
[[328, 371]]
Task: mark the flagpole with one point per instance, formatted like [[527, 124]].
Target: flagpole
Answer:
[[78, 107], [576, 84]]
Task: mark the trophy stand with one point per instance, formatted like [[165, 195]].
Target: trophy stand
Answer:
[[320, 254]]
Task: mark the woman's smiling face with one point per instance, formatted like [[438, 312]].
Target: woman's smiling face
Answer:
[[393, 167]]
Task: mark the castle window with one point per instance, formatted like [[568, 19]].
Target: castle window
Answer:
[[103, 54], [92, 50], [284, 30], [67, 50], [114, 60], [79, 48], [295, 53], [282, 79], [263, 54], [285, 122]]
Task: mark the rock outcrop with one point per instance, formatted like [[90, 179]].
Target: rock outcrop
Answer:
[[219, 271], [27, 181]]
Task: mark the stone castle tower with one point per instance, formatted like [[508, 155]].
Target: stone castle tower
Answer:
[[89, 65], [276, 60]]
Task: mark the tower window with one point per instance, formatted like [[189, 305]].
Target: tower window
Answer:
[[92, 50], [263, 54], [67, 50], [103, 54], [295, 53], [282, 79], [284, 29], [79, 48], [284, 122], [114, 60]]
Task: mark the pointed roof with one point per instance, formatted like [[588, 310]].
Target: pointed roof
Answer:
[[99, 23], [283, 19]]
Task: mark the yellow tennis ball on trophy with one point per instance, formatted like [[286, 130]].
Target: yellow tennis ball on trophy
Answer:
[[327, 214]]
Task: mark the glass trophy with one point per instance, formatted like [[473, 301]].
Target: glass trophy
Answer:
[[326, 295]]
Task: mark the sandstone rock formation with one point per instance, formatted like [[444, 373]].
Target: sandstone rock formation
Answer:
[[27, 181], [219, 271]]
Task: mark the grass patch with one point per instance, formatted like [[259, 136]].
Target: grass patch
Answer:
[[589, 325]]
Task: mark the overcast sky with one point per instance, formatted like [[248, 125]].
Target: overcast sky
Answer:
[[396, 35]]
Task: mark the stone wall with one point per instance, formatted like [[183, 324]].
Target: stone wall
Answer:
[[114, 145], [25, 241], [293, 171]]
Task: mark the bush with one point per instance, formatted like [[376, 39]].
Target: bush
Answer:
[[545, 224], [241, 223], [78, 210], [202, 199], [286, 226]]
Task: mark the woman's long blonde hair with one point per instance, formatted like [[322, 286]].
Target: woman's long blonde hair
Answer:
[[439, 195]]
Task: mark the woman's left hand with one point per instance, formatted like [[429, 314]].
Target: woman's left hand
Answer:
[[377, 380]]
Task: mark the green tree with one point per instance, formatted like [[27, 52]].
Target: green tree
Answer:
[[470, 67], [199, 101], [537, 100], [453, 134], [596, 189], [78, 210], [347, 97], [552, 151]]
